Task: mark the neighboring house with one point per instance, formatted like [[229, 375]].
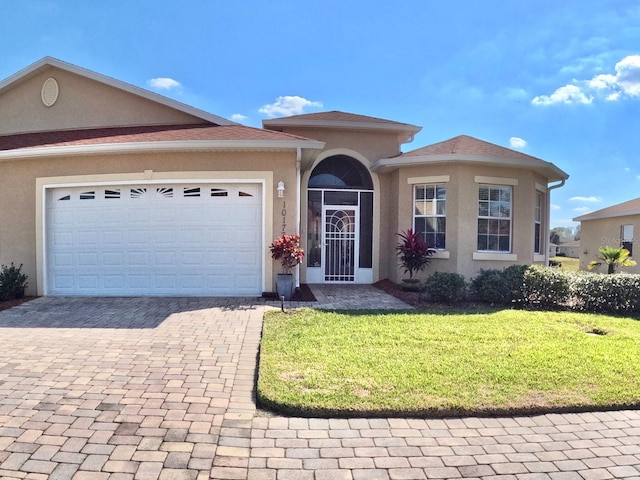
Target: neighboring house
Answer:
[[109, 189], [553, 249], [569, 249], [615, 226]]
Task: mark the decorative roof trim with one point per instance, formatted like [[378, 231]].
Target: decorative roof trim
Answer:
[[141, 147], [112, 82], [405, 130], [387, 164], [598, 216]]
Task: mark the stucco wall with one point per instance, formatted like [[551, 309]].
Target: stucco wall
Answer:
[[606, 232], [18, 193], [372, 145], [82, 103], [462, 210]]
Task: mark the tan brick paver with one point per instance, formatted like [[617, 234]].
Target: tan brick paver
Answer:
[[147, 388]]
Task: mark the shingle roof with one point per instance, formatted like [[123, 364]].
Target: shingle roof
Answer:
[[630, 207], [464, 148], [149, 133], [466, 145], [338, 116]]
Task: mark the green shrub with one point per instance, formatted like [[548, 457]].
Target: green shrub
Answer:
[[594, 292], [546, 288], [445, 287], [514, 282], [12, 282], [499, 287]]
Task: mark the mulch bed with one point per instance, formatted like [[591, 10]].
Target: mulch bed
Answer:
[[6, 304], [415, 299], [302, 294]]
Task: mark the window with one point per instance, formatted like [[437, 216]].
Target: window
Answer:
[[429, 214], [494, 218], [88, 196], [626, 236], [537, 225]]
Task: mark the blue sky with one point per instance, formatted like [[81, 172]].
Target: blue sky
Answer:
[[556, 80]]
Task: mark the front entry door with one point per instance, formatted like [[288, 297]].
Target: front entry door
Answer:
[[340, 243]]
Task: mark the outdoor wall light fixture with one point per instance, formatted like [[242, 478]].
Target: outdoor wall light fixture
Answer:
[[280, 189]]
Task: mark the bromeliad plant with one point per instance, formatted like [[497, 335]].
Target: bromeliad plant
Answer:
[[286, 249], [414, 253]]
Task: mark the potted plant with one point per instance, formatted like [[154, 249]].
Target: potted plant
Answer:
[[286, 249], [414, 255]]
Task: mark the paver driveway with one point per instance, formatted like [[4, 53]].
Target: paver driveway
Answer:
[[162, 388], [112, 388]]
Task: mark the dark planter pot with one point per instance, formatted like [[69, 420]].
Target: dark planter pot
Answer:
[[284, 285], [411, 285]]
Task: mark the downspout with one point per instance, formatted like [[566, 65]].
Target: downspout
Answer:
[[548, 222], [298, 216]]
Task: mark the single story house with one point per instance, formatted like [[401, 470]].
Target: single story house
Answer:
[[107, 189], [614, 226], [569, 249]]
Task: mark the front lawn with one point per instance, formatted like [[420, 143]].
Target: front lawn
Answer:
[[451, 363], [569, 264]]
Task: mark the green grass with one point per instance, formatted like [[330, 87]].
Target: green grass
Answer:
[[505, 361], [569, 264]]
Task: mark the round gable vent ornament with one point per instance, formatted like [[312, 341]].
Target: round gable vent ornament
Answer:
[[50, 92]]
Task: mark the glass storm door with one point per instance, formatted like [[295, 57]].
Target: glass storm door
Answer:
[[340, 243]]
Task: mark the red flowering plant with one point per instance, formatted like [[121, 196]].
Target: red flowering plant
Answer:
[[286, 248], [413, 252]]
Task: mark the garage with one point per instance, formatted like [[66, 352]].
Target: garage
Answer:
[[169, 239]]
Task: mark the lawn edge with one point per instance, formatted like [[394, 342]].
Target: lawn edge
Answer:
[[274, 407]]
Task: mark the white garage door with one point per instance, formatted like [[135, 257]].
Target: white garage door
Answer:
[[149, 239]]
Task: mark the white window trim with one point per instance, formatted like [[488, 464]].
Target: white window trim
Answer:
[[496, 181], [431, 179], [495, 256], [413, 215], [538, 210], [498, 252]]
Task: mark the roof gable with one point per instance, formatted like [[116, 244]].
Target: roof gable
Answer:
[[466, 145], [344, 121], [630, 207], [464, 148], [86, 100]]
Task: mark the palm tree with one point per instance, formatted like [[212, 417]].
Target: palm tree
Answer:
[[612, 256]]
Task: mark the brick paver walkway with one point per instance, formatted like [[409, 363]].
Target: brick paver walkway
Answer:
[[163, 389]]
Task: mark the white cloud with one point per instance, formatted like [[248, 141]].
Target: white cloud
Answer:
[[628, 75], [586, 199], [612, 87], [515, 93], [163, 83], [287, 105], [555, 207], [517, 142], [566, 94], [238, 117], [581, 209]]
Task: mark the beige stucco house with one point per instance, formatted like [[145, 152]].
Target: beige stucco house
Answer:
[[614, 226], [109, 189], [569, 249]]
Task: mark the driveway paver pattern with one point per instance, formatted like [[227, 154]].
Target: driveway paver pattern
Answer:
[[162, 388]]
